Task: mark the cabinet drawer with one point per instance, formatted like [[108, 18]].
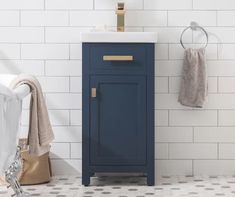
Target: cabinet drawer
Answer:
[[118, 57]]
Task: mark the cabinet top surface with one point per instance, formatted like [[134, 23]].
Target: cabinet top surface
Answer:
[[119, 37]]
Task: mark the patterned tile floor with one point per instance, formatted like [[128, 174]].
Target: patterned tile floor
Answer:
[[176, 186]]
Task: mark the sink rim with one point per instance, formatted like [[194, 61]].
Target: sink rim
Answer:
[[119, 37]]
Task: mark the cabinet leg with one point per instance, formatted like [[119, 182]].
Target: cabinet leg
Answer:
[[150, 179], [86, 179]]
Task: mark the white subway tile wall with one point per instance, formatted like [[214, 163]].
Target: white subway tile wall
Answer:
[[42, 37]]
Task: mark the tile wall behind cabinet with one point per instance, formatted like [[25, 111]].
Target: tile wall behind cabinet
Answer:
[[41, 37]]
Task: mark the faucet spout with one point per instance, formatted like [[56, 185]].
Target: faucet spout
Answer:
[[120, 11]]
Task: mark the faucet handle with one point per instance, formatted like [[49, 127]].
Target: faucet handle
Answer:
[[120, 6]]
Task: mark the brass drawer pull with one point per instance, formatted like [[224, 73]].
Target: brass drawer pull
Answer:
[[118, 58], [93, 92]]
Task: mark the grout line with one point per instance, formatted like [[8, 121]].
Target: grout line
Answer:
[[70, 84], [129, 26], [70, 152], [69, 48], [70, 118], [186, 159], [168, 113], [76, 42], [111, 9], [20, 51], [170, 143], [190, 110], [193, 167], [19, 18], [44, 67], [141, 8], [69, 22], [44, 32], [193, 140], [74, 59], [167, 18], [168, 50], [168, 150], [192, 37], [168, 78]]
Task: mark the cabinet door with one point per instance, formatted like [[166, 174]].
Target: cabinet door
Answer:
[[118, 120]]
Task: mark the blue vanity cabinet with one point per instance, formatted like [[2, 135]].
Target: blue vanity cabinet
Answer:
[[118, 109]]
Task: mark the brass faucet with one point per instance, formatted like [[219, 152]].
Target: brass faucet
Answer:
[[120, 17]]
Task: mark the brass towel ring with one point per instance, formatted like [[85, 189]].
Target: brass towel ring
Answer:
[[194, 26]]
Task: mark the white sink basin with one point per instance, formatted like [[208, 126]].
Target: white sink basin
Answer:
[[127, 37]]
